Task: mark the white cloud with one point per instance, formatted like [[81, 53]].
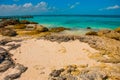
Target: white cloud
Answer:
[[74, 5], [27, 5], [41, 4], [27, 8], [111, 8]]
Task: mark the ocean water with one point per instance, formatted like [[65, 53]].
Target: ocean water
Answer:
[[78, 22]]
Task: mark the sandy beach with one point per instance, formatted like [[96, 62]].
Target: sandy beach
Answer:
[[42, 56]]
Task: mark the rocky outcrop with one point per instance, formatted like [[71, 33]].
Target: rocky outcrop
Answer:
[[27, 22], [117, 29], [9, 70], [8, 32], [78, 73], [113, 34], [41, 28], [18, 70], [9, 22], [109, 50], [58, 29], [92, 33]]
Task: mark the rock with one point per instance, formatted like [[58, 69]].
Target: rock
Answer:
[[4, 41], [33, 23], [8, 68], [56, 73], [117, 29], [8, 32], [27, 22], [10, 22], [91, 33], [58, 38], [13, 46], [24, 22], [58, 29], [5, 60], [19, 26], [19, 69], [88, 28], [113, 35], [92, 75], [1, 25], [3, 54], [41, 28], [71, 68], [71, 77], [6, 64], [103, 32]]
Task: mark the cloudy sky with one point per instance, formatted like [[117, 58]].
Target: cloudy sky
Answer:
[[50, 7]]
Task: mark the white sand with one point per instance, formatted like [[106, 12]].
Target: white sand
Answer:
[[42, 56]]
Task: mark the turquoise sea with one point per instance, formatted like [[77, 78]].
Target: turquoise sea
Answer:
[[78, 22]]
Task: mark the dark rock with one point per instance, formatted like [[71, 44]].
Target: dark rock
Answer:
[[5, 65], [4, 41], [21, 68], [56, 73], [3, 54], [71, 77], [27, 22], [10, 22], [12, 76], [8, 32], [33, 23], [88, 28], [16, 74], [71, 68], [13, 46]]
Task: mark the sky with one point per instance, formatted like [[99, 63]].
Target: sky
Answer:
[[59, 7]]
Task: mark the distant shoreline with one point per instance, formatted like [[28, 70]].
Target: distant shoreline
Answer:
[[30, 16]]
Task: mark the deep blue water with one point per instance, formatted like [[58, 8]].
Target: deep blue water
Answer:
[[76, 22]]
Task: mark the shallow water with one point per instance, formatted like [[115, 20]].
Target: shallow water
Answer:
[[77, 22]]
